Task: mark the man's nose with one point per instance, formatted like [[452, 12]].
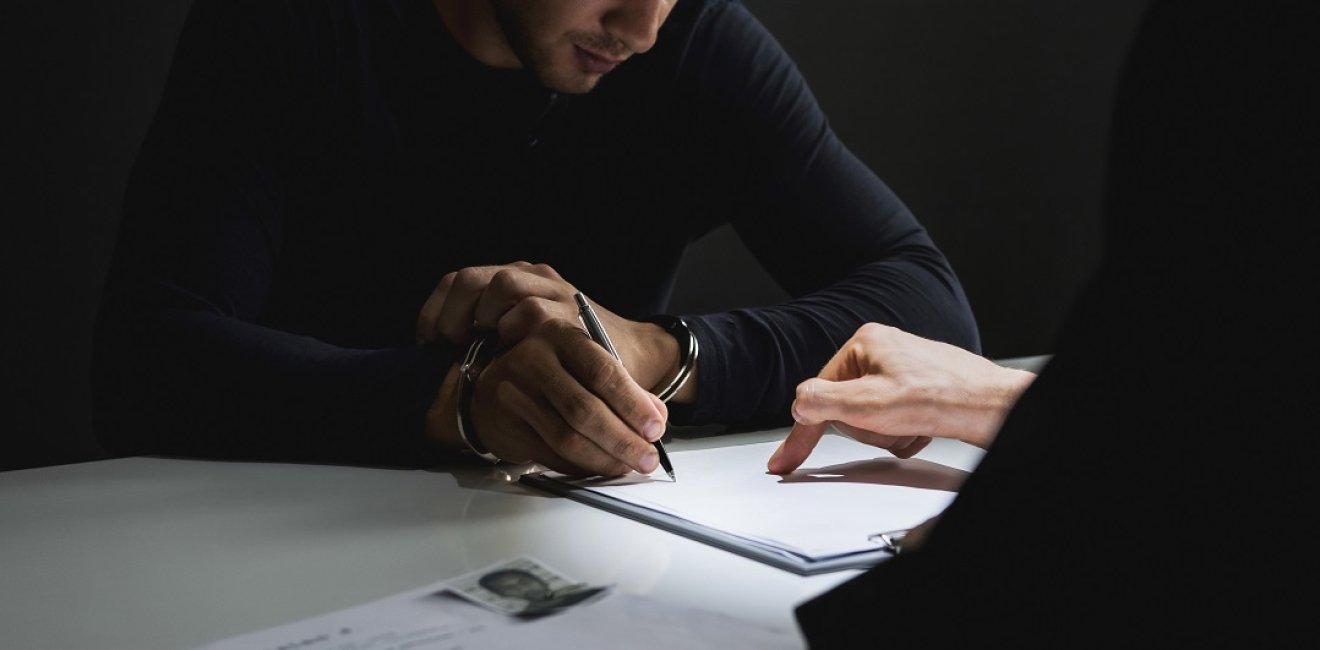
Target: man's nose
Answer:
[[637, 22]]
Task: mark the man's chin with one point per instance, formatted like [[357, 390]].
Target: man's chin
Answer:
[[572, 83]]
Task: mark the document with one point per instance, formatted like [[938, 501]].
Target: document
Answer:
[[832, 508], [450, 615]]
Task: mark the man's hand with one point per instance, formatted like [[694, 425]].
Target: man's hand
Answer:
[[511, 298], [553, 396], [897, 391], [515, 299], [557, 398]]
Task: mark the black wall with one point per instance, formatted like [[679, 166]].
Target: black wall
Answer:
[[81, 80], [987, 118]]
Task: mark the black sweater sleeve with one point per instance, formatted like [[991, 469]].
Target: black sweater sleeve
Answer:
[[182, 364], [818, 219]]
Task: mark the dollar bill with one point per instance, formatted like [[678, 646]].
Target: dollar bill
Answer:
[[524, 587]]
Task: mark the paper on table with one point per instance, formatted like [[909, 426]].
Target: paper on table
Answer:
[[831, 507], [431, 618]]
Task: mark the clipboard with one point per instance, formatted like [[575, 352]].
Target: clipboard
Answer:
[[788, 561]]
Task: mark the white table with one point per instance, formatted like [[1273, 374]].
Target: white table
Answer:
[[147, 553]]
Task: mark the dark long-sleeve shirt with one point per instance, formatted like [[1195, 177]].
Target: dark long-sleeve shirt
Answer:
[[316, 166]]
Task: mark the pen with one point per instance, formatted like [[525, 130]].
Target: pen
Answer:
[[597, 332]]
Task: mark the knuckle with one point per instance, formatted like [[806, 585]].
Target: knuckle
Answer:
[[535, 310], [624, 446], [578, 410], [601, 370], [506, 281], [567, 330], [638, 410], [870, 332], [467, 276], [806, 392]]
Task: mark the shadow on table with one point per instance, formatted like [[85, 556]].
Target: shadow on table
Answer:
[[903, 472]]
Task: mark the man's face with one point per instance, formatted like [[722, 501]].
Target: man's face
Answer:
[[570, 44]]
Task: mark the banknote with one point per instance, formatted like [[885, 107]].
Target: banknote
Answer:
[[523, 586]]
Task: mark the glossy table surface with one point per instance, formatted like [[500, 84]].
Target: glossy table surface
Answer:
[[145, 553]]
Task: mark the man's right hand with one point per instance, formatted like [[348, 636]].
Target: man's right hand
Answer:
[[557, 398]]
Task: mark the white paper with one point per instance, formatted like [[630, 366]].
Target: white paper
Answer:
[[420, 619], [433, 618], [834, 505]]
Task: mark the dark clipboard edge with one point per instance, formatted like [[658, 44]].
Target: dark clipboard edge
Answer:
[[716, 538]]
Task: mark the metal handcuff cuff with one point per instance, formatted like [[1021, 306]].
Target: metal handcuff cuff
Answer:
[[688, 349], [473, 363]]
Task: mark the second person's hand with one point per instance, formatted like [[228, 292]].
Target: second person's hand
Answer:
[[897, 391]]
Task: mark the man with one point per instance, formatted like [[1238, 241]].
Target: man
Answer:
[[342, 201], [1144, 489]]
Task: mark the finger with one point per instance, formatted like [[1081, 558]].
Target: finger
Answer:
[[795, 448], [913, 447], [556, 434], [548, 440], [429, 316], [851, 359], [659, 406], [860, 402], [508, 287], [529, 314], [900, 446], [596, 415], [605, 377], [456, 314]]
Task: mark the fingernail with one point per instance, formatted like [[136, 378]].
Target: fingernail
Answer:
[[653, 430], [649, 462], [797, 417]]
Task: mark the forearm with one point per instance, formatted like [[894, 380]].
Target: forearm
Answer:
[[193, 383], [752, 360]]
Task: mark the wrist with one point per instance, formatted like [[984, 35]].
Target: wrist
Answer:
[[479, 353], [1014, 383], [678, 384], [654, 355], [441, 416], [448, 420], [1007, 388]]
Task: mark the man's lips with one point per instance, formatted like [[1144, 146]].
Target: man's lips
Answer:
[[595, 63]]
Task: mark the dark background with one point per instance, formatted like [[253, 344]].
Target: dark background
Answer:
[[988, 118]]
